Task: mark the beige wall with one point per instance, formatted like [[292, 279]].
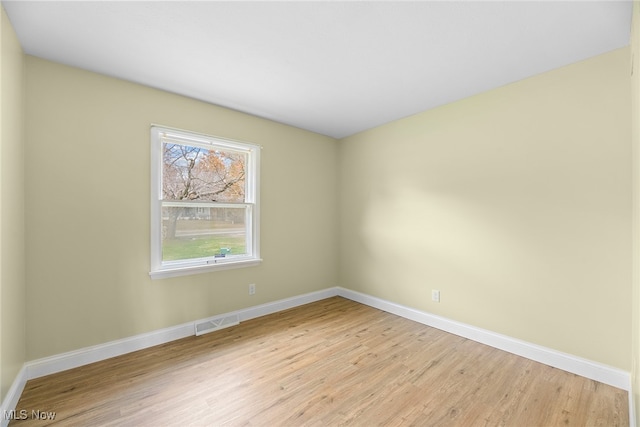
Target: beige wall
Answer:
[[515, 204], [635, 131], [87, 181], [12, 253]]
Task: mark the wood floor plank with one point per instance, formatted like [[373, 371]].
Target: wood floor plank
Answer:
[[329, 363]]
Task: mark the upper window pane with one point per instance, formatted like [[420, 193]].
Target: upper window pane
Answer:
[[192, 172]]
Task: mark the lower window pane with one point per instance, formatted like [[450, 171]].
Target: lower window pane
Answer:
[[202, 232]]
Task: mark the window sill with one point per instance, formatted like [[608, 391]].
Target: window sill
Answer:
[[205, 268]]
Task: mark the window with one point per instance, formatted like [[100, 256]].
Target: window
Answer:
[[204, 203]]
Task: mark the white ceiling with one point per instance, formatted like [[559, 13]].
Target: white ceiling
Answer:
[[331, 67]]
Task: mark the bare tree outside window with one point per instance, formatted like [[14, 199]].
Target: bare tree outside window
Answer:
[[197, 174]]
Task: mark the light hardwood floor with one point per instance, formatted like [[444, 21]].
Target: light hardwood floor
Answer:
[[330, 363]]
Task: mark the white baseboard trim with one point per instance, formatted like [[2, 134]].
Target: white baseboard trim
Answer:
[[586, 368], [567, 362], [13, 395], [284, 304], [73, 359], [84, 356]]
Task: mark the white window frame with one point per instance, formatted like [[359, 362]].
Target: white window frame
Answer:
[[162, 269]]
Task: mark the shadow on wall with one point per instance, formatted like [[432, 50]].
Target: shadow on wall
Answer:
[[491, 259]]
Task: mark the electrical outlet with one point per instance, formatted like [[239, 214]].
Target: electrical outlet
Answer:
[[435, 295], [252, 288]]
